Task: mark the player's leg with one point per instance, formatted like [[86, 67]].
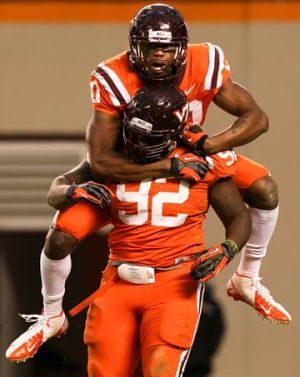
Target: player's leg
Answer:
[[169, 323], [69, 227], [260, 193], [112, 330]]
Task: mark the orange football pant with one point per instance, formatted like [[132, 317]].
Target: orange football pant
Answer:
[[155, 322], [81, 219], [247, 172]]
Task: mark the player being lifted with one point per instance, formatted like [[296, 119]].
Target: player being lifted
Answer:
[[159, 53]]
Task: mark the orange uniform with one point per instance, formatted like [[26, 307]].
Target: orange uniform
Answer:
[[156, 222], [115, 82]]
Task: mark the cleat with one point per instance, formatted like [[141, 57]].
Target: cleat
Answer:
[[252, 292], [44, 328]]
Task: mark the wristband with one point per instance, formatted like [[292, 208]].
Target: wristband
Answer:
[[200, 142], [231, 248], [69, 192]]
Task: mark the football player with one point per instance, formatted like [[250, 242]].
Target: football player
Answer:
[[159, 53], [158, 259]]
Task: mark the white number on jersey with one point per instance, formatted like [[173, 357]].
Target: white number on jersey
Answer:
[[145, 206]]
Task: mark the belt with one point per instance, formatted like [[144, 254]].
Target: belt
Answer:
[[178, 262]]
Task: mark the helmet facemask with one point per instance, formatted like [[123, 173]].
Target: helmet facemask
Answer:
[[146, 65]]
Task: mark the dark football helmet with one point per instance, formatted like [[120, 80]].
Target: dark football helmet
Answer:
[[153, 121], [157, 24]]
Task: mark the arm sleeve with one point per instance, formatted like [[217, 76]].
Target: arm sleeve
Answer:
[[218, 69], [102, 96]]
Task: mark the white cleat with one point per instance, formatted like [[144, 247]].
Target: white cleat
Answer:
[[252, 292], [44, 328]]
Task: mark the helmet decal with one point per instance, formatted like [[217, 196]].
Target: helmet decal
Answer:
[[140, 123], [160, 36]]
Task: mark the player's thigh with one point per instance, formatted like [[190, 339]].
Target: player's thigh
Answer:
[[247, 172], [81, 219], [112, 336], [164, 361], [168, 328]]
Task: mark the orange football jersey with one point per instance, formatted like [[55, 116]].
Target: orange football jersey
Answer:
[[156, 221], [115, 82]]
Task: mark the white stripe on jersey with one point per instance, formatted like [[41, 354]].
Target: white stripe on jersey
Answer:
[[103, 82], [211, 66], [115, 78], [221, 66]]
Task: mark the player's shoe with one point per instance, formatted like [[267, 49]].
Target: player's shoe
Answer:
[[252, 292], [44, 328]]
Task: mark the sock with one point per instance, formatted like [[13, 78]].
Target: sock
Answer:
[[54, 274], [263, 225]]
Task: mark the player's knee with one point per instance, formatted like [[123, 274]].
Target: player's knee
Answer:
[[263, 194], [59, 244], [158, 364]]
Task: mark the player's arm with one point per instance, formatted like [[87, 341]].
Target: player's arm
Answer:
[[75, 185], [252, 120], [104, 133], [230, 208]]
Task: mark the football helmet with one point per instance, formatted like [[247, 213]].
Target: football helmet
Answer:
[[153, 121], [162, 26]]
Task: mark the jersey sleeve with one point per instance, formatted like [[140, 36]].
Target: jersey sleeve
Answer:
[[218, 68], [221, 165], [105, 95]]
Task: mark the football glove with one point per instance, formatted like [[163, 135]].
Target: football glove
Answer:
[[213, 260], [189, 166], [194, 137], [90, 191]]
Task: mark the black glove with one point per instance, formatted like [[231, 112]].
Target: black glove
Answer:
[[189, 166], [90, 191], [213, 260]]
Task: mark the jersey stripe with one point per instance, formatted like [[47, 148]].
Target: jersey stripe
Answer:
[[216, 69], [106, 86], [213, 78], [221, 66], [117, 82], [211, 59], [112, 87]]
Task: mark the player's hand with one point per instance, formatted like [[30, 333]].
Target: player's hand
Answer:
[[213, 260], [189, 166], [194, 136], [90, 191]]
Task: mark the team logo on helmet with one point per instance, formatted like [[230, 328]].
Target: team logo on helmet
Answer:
[[141, 124], [160, 36]]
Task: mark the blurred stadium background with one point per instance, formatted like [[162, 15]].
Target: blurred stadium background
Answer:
[[48, 50]]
